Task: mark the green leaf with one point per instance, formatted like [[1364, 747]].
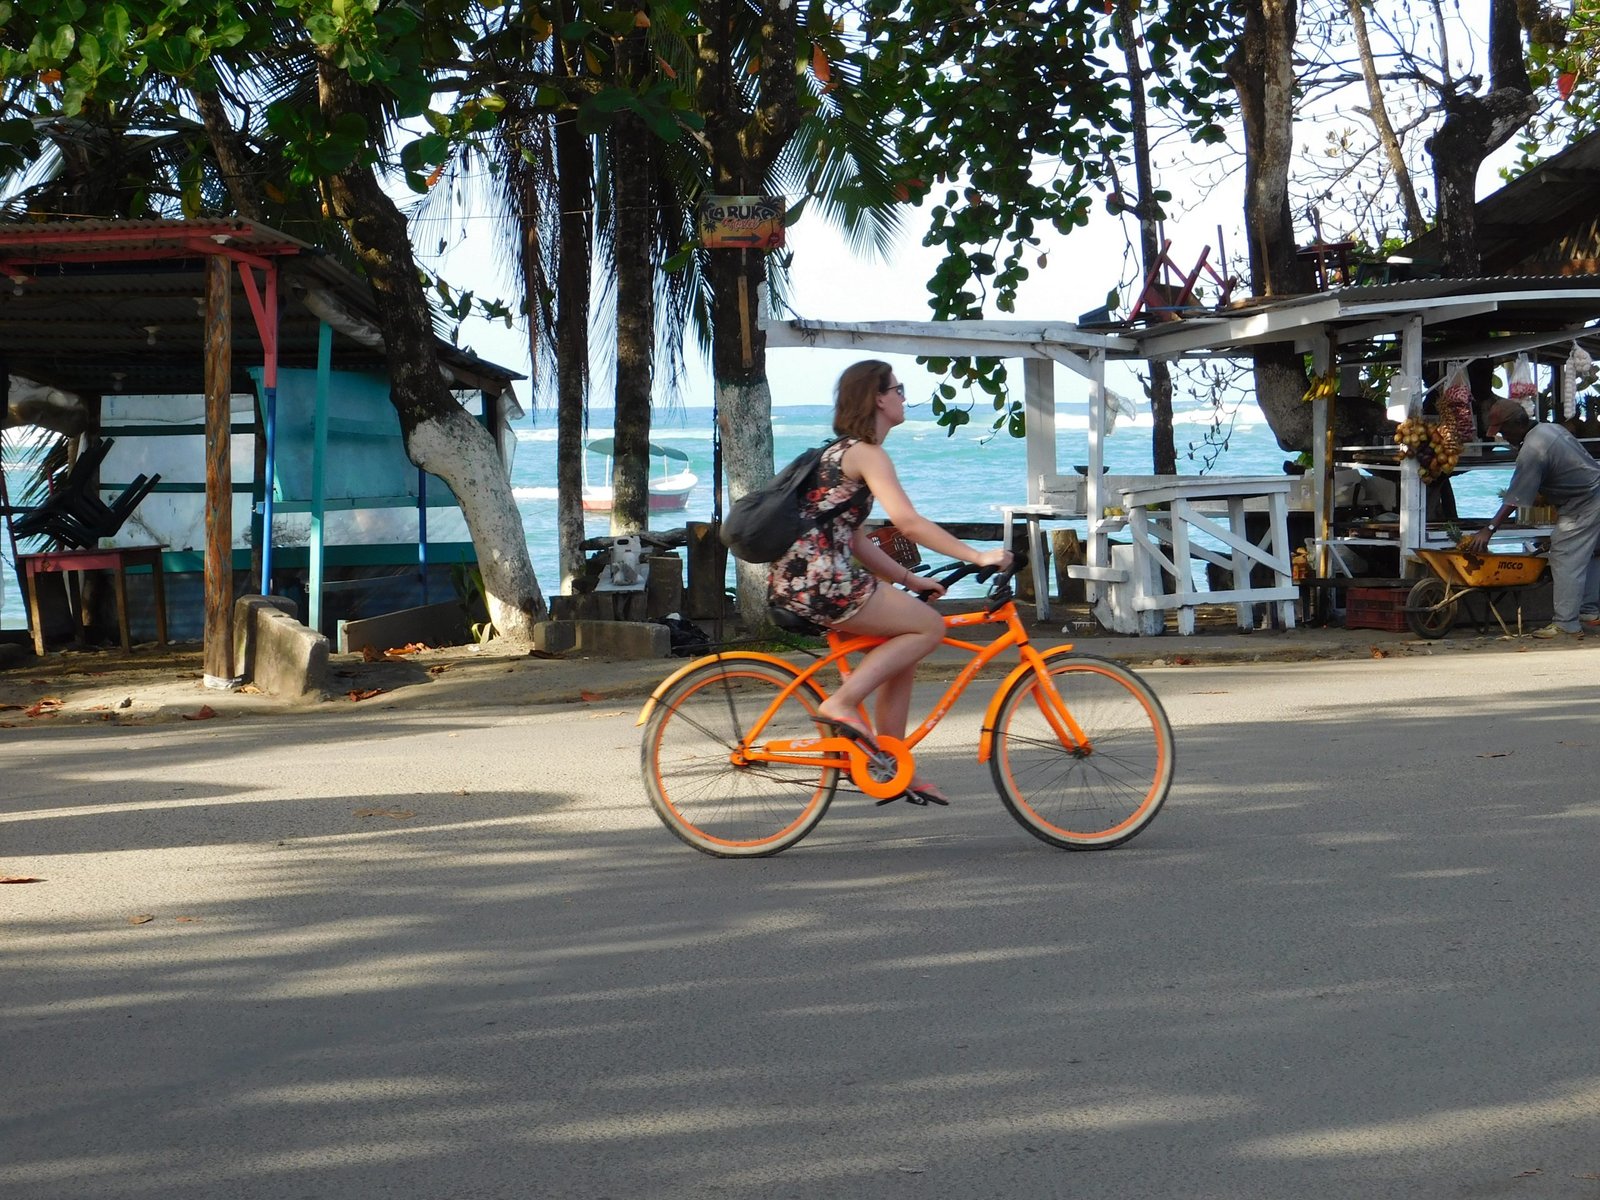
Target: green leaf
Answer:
[[66, 37]]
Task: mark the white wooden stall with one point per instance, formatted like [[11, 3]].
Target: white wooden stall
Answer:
[[1210, 506]]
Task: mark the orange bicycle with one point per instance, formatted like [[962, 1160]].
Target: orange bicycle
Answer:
[[738, 765]]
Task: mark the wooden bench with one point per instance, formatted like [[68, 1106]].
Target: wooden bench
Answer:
[[115, 559]]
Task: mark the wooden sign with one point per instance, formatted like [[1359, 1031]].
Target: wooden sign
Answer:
[[741, 222]]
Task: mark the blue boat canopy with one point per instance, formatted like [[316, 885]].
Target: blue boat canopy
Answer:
[[608, 447]]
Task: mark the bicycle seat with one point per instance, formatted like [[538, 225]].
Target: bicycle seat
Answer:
[[793, 622]]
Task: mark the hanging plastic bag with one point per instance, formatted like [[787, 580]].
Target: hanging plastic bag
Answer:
[[1118, 406], [1455, 405], [1523, 389], [1578, 372]]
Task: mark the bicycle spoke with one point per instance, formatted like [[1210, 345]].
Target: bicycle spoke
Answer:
[[698, 786], [1097, 794]]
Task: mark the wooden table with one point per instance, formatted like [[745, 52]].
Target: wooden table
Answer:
[[116, 559], [1135, 597]]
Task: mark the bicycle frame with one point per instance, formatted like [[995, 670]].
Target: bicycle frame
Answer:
[[845, 754]]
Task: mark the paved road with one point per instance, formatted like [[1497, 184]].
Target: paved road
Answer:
[[1354, 957]]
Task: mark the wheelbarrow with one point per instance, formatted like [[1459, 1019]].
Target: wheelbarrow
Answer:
[[1431, 604]]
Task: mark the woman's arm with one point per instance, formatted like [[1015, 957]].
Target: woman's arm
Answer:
[[871, 465], [1479, 542], [875, 559]]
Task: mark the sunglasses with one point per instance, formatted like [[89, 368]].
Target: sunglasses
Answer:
[[898, 387]]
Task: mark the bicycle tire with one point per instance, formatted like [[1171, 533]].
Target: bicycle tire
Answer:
[[1426, 612], [700, 794], [1084, 800]]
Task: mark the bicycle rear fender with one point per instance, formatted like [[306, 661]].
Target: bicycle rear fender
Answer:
[[666, 684], [986, 736]]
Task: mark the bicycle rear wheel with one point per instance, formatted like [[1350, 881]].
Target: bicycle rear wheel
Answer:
[[1095, 796], [696, 784]]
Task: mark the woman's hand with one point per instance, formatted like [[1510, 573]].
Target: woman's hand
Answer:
[[993, 558], [921, 583]]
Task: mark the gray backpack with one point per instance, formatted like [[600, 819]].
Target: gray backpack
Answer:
[[764, 523]]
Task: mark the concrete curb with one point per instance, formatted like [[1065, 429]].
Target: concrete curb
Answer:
[[275, 652]]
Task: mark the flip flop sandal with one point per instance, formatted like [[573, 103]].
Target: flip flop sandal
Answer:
[[854, 733], [922, 796]]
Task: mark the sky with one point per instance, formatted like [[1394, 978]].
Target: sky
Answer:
[[829, 282]]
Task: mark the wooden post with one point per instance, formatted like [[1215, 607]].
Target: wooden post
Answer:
[[708, 573], [218, 654]]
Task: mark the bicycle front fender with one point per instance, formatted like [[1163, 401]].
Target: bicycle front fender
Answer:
[[666, 684], [986, 736]]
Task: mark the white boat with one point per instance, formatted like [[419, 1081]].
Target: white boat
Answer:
[[669, 491]]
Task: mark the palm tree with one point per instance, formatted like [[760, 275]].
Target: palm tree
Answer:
[[357, 118]]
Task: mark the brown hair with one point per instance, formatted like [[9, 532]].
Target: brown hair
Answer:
[[855, 399]]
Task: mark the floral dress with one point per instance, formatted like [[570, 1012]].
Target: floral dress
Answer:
[[818, 576]]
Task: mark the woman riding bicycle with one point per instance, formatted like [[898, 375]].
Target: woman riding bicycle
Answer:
[[831, 576]]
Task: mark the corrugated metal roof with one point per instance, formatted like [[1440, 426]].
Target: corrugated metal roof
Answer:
[[96, 307], [1532, 209], [1459, 316]]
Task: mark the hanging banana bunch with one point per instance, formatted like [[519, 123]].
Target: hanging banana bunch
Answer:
[[1323, 387]]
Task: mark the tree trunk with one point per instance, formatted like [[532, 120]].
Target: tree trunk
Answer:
[[1473, 128], [1416, 223], [1262, 69], [1163, 448], [440, 436], [635, 280], [744, 414], [745, 139], [574, 167]]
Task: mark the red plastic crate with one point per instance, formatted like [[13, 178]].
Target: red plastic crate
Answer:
[[1376, 608]]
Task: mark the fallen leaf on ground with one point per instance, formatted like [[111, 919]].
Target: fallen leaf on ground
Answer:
[[1181, 660], [370, 654], [1530, 1171], [205, 713], [440, 669], [590, 696], [408, 648], [1497, 754], [43, 708], [353, 694], [21, 879], [10, 707], [186, 920], [251, 689], [396, 814], [141, 919], [1379, 652], [543, 654], [125, 702]]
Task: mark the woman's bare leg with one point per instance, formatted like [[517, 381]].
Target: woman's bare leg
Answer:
[[914, 630]]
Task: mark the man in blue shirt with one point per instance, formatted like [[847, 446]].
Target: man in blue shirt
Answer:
[[1553, 463]]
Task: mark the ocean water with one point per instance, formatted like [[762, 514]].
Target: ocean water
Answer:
[[969, 476]]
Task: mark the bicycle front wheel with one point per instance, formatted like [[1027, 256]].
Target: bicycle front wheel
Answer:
[[1095, 795], [700, 786]]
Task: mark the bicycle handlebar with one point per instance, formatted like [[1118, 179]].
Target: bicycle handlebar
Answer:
[[999, 589]]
